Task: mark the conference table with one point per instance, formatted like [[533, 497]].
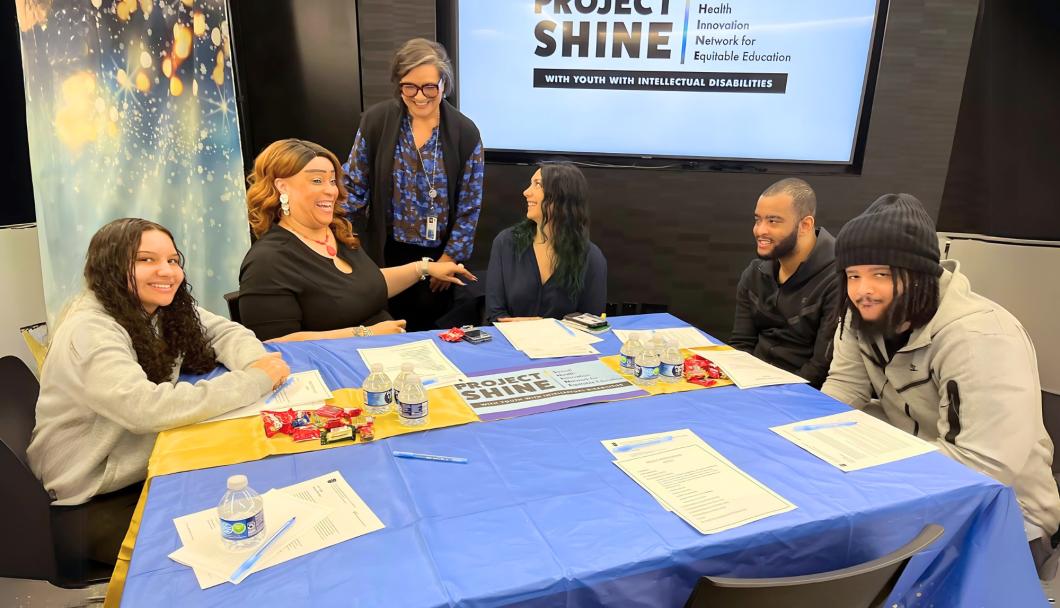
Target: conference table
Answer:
[[540, 516]]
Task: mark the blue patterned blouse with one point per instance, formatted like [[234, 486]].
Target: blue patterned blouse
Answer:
[[411, 205]]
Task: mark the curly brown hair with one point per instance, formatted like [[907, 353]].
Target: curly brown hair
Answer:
[[111, 275], [283, 159]]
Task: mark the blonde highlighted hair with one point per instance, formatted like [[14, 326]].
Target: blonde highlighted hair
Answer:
[[283, 159]]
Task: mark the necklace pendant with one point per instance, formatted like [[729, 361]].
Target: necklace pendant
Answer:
[[432, 193], [331, 250]]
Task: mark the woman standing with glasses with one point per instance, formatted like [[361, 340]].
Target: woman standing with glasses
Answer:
[[414, 178]]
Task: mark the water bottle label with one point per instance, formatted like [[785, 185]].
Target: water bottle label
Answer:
[[241, 529], [412, 410], [672, 370], [376, 398], [647, 373], [625, 361]]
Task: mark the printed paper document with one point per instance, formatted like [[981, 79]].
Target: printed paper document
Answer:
[[328, 511], [685, 337], [698, 484], [747, 371], [430, 364], [853, 440], [306, 391], [547, 338]]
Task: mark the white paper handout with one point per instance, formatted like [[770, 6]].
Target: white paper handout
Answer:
[[747, 371], [547, 338], [694, 481], [853, 440], [328, 512], [685, 337], [425, 356], [306, 390]]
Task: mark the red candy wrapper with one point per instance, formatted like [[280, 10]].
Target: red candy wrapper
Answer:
[[305, 433], [327, 414], [334, 423], [277, 422], [702, 371], [453, 335]]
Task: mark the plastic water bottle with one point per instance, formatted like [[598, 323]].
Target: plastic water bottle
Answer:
[[412, 402], [242, 516], [646, 367], [672, 364], [628, 355], [407, 369], [378, 392]]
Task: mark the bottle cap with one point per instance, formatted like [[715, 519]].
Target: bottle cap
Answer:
[[237, 482], [407, 367], [377, 367]]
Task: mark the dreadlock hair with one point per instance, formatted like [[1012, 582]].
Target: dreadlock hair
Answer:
[[915, 299], [111, 275], [565, 210]]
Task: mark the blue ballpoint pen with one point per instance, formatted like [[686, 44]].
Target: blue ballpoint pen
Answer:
[[253, 559], [567, 329], [280, 388], [826, 425], [435, 457], [633, 446]]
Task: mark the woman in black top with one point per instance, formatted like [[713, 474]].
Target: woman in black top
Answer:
[[546, 266], [306, 277]]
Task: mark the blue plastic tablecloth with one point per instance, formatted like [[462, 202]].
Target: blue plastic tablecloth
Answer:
[[541, 517]]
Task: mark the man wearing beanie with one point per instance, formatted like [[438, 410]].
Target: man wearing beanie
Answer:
[[947, 364], [786, 300]]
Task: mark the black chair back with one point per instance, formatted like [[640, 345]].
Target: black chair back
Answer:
[[232, 299], [25, 519], [865, 585]]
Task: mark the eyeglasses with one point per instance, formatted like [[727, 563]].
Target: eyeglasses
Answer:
[[430, 91]]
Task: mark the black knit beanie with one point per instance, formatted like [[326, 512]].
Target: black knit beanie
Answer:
[[894, 231]]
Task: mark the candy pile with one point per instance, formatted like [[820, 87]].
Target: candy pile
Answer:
[[702, 371], [328, 424]]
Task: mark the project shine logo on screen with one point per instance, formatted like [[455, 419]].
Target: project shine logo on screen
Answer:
[[606, 39]]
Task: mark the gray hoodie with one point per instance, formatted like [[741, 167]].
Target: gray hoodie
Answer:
[[98, 414], [968, 382]]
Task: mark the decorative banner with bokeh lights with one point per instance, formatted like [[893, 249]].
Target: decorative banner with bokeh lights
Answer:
[[131, 112]]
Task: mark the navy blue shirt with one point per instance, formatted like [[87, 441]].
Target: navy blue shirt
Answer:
[[514, 289]]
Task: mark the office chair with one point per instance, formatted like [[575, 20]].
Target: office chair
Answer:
[[865, 585], [232, 299], [29, 549]]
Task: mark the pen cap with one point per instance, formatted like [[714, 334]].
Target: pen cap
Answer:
[[237, 482]]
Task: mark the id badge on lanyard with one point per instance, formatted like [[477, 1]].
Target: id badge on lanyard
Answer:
[[432, 228]]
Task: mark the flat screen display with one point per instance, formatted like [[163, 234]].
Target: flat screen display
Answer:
[[764, 80]]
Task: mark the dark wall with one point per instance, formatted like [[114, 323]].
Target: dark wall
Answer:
[[17, 206], [683, 238], [297, 73], [1002, 177]]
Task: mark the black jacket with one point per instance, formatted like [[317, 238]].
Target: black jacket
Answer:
[[792, 325], [380, 125]]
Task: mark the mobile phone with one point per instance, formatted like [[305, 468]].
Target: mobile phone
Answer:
[[586, 320], [477, 336]]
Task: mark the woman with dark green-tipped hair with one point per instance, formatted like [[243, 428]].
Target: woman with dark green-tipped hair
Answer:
[[546, 266]]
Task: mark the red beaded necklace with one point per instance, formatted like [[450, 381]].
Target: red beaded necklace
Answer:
[[327, 237]]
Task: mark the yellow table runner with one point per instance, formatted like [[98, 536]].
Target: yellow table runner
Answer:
[[215, 444]]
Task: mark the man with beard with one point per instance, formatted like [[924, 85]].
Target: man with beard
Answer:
[[786, 299], [945, 363]]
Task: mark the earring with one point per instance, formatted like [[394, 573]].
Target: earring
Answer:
[[285, 206]]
